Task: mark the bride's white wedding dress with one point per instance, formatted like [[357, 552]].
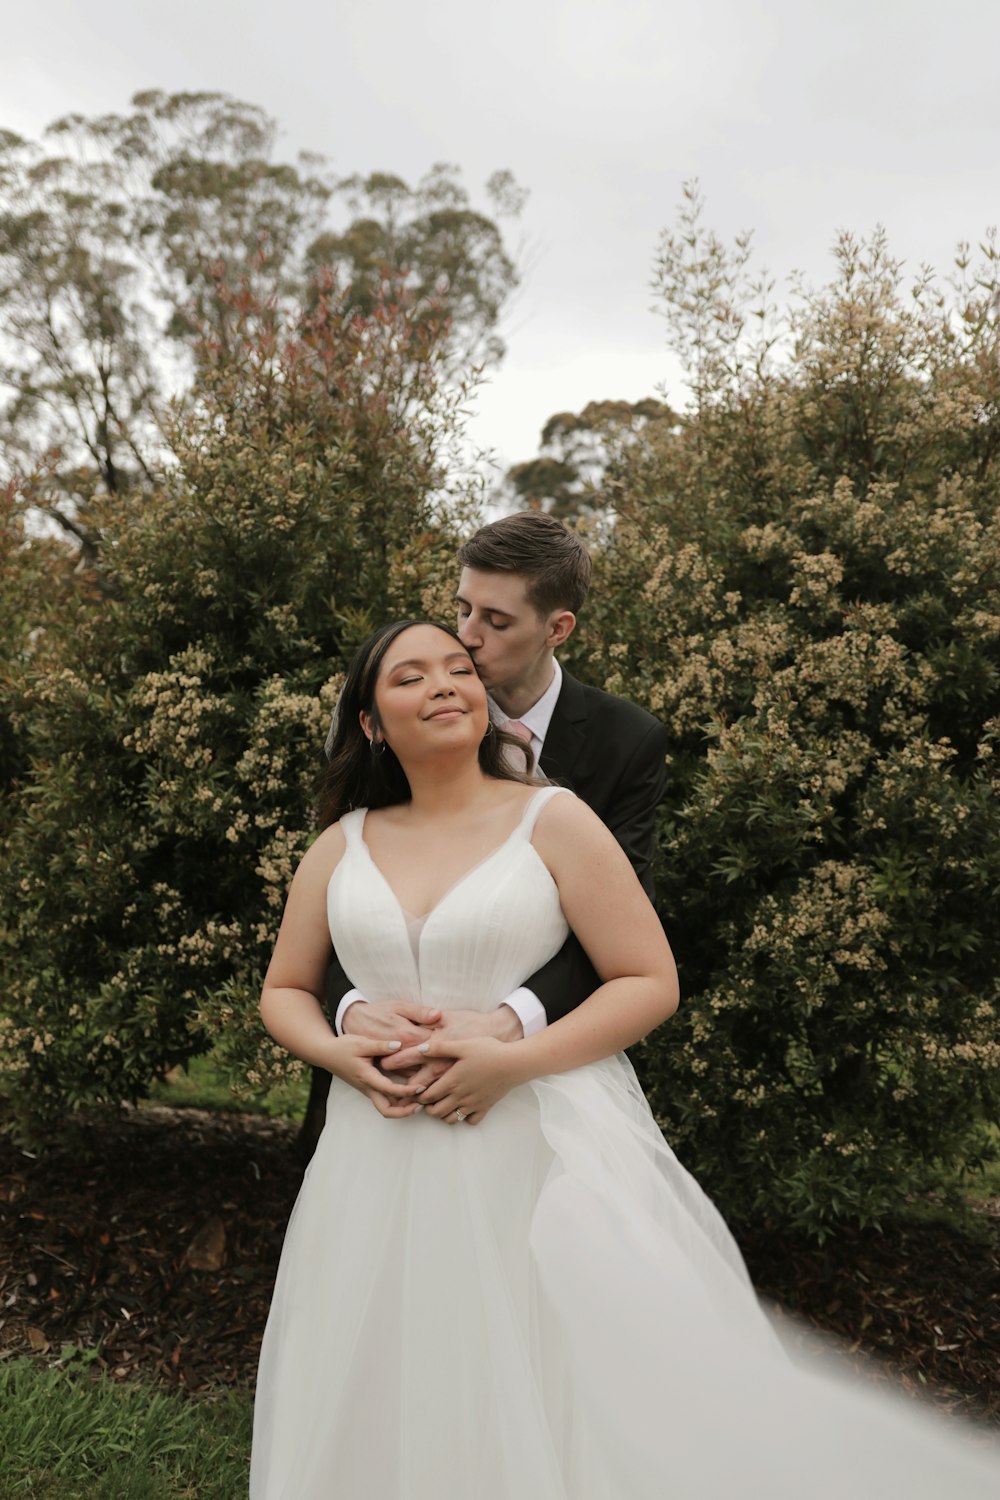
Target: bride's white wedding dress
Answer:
[[544, 1306]]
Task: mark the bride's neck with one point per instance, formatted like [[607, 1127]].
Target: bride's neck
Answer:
[[437, 788]]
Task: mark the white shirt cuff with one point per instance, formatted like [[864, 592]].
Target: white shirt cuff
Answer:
[[529, 1010], [342, 1009]]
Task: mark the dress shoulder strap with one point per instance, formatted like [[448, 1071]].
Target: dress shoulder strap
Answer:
[[351, 823], [535, 804]]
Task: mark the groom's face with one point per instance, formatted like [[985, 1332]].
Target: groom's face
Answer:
[[501, 629]]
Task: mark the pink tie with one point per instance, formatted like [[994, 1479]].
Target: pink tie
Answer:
[[514, 726]]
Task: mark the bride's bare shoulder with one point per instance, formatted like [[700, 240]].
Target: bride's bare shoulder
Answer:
[[330, 839], [323, 855], [566, 823], [513, 798]]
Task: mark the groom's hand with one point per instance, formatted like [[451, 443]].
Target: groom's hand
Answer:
[[455, 1026], [387, 1021]]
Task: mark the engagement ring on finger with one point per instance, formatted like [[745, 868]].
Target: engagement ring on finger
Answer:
[[459, 1114]]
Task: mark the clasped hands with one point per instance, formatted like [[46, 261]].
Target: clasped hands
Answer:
[[407, 1057]]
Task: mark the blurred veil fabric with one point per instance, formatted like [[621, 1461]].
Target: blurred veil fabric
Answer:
[[331, 733], [544, 1306]]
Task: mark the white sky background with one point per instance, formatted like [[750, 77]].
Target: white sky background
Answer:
[[800, 117]]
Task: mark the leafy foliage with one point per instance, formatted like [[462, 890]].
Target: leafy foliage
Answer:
[[172, 741], [804, 582], [37, 586]]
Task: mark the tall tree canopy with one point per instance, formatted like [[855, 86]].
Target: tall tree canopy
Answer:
[[113, 238], [578, 449]]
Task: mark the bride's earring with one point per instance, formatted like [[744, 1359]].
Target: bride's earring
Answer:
[[489, 729], [377, 747]]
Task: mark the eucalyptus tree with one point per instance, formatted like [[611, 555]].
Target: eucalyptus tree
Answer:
[[129, 241]]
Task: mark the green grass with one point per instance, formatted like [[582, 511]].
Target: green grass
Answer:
[[201, 1084], [68, 1436], [976, 1183], [985, 1182], [957, 1196]]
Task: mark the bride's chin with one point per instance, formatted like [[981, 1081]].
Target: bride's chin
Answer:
[[454, 737], [462, 726]]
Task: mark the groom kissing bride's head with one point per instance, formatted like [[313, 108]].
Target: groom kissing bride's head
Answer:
[[523, 580]]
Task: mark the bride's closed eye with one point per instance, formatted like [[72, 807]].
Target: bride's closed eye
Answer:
[[464, 671]]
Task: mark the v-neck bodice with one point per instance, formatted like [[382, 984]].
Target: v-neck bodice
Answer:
[[523, 828], [496, 924]]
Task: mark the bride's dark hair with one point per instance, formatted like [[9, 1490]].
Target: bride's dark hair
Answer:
[[355, 776]]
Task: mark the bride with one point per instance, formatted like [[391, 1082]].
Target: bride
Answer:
[[506, 1287]]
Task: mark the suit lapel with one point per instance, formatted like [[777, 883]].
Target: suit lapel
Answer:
[[565, 736]]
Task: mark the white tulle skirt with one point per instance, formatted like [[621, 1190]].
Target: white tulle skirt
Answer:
[[546, 1307]]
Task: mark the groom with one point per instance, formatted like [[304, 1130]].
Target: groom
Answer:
[[523, 580]]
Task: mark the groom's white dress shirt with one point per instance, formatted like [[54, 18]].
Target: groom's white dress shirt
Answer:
[[523, 1002]]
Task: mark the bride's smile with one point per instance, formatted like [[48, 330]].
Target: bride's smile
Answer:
[[446, 713]]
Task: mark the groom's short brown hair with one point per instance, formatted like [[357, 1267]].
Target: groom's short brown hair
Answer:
[[553, 562]]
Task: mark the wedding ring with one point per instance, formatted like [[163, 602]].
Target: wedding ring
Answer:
[[459, 1114]]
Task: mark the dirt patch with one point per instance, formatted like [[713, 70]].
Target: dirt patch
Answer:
[[155, 1239]]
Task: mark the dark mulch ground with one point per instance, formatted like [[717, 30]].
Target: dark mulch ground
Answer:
[[156, 1237], [917, 1304]]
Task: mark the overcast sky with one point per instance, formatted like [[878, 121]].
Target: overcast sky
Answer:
[[800, 117]]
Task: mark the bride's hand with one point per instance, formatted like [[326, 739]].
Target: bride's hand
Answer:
[[456, 1025], [483, 1071], [351, 1060]]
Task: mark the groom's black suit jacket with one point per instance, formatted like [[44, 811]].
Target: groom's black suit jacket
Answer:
[[611, 753]]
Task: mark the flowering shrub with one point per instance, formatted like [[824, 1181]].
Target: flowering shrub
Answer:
[[170, 742], [804, 583]]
